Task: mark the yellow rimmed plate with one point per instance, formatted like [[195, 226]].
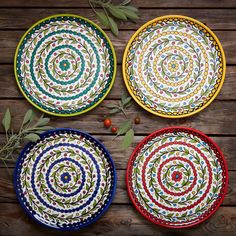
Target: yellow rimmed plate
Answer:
[[65, 65], [174, 66]]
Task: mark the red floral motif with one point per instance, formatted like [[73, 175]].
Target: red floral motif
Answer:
[[176, 176]]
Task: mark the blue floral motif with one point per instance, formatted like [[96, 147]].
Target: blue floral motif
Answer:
[[65, 178]]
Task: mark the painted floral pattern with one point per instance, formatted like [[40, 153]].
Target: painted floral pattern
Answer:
[[174, 66], [65, 180], [177, 177], [65, 65]]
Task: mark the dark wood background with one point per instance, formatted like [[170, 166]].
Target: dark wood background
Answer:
[[218, 120]]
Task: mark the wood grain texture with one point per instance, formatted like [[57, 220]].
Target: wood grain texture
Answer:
[[16, 18], [9, 89], [118, 220], [140, 3], [215, 119], [10, 39]]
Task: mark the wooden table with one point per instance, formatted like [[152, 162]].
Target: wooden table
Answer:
[[218, 120]]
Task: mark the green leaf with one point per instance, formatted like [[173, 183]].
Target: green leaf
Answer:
[[42, 121], [113, 111], [130, 8], [125, 2], [31, 137], [130, 14], [125, 126], [111, 105], [116, 12], [125, 100], [128, 139], [47, 127], [6, 121], [28, 116], [113, 26], [40, 130], [102, 17], [123, 97]]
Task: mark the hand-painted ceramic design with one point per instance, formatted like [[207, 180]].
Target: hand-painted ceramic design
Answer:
[[66, 180], [174, 66], [65, 65], [177, 177]]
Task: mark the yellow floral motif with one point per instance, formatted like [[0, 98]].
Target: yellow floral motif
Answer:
[[167, 82], [173, 66]]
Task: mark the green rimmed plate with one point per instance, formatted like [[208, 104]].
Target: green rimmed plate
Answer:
[[65, 65], [174, 66]]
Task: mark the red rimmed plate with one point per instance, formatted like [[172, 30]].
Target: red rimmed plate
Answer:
[[177, 177]]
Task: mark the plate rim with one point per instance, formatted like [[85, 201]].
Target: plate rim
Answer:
[[171, 128], [162, 18], [114, 64], [25, 209]]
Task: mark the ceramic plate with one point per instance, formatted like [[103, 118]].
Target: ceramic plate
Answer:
[[66, 180], [65, 65], [177, 177], [174, 66]]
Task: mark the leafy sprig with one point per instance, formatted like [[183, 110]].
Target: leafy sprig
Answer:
[[123, 104], [127, 126], [110, 13], [30, 129]]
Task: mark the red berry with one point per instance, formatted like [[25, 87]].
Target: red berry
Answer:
[[107, 122], [113, 129], [137, 120]]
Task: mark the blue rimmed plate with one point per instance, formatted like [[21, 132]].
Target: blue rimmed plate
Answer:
[[66, 180]]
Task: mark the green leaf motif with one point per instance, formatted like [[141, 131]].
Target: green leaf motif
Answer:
[[128, 139], [6, 121]]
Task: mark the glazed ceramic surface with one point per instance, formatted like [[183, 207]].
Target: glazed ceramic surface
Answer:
[[174, 66], [177, 177], [66, 180], [65, 65]]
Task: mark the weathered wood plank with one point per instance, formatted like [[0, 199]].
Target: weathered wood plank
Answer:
[[14, 18], [10, 39], [139, 3], [118, 220], [7, 193], [215, 119], [9, 88]]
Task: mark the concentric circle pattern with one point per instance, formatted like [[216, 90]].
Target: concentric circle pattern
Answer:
[[177, 177], [174, 66], [66, 180], [65, 65]]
